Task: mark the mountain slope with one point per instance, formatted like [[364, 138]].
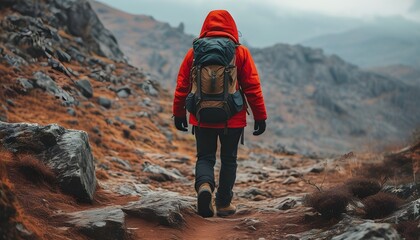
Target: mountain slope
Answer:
[[153, 46], [330, 104], [316, 103], [380, 43]]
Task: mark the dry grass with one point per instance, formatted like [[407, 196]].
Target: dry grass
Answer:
[[363, 187], [330, 203], [381, 205], [34, 170]]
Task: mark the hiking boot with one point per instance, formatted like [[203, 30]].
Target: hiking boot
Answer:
[[226, 211], [205, 201]]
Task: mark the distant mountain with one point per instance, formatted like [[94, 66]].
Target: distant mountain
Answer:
[[322, 102], [316, 103], [386, 41]]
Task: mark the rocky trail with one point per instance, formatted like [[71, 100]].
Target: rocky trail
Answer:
[[88, 151]]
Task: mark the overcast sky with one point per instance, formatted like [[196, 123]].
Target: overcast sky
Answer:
[[265, 22]]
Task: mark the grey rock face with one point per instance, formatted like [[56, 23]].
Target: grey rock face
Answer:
[[369, 231], [167, 208], [161, 174], [79, 19], [44, 82], [408, 212], [82, 21], [66, 152], [105, 223], [85, 87], [63, 56], [105, 102]]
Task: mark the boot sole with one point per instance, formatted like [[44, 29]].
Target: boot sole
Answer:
[[204, 204], [226, 213]]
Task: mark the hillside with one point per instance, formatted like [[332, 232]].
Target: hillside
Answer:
[[382, 42], [151, 45], [303, 86], [410, 75]]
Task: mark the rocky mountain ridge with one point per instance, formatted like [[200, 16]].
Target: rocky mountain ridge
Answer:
[[352, 108]]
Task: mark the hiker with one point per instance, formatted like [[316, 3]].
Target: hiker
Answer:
[[216, 79]]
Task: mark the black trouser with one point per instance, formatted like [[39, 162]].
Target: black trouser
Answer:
[[206, 139]]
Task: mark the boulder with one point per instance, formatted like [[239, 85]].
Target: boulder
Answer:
[[408, 212], [104, 223], [161, 174], [105, 102], [66, 152], [369, 231], [167, 208], [85, 87], [63, 56]]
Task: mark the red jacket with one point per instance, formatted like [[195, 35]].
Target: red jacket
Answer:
[[219, 23]]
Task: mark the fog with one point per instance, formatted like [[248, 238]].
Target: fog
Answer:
[[266, 22]]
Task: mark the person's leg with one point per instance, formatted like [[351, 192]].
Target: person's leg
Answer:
[[228, 155], [206, 140]]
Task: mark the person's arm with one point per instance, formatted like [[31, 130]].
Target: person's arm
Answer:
[[250, 84], [182, 86]]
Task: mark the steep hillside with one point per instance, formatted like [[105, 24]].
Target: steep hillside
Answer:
[[410, 75], [151, 45], [351, 108], [383, 42]]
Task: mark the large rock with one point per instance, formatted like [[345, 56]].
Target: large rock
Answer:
[[351, 228], [85, 87], [104, 223], [161, 174], [167, 208], [369, 231], [67, 152], [408, 212]]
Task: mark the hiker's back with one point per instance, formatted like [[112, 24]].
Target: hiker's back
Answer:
[[215, 96]]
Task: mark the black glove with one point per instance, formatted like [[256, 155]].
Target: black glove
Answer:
[[259, 127], [181, 123]]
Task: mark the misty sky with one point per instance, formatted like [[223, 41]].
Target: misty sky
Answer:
[[266, 22]]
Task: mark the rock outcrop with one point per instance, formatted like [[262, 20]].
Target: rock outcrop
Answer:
[[66, 152], [104, 223], [166, 208], [76, 17]]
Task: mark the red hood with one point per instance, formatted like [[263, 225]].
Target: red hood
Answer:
[[219, 23]]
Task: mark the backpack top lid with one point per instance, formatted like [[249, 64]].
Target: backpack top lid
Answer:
[[213, 51]]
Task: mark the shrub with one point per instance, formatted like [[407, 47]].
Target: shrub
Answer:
[[330, 203], [380, 205], [363, 187]]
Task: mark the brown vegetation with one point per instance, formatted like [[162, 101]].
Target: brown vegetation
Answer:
[[330, 203], [381, 205], [363, 187], [409, 230], [33, 169]]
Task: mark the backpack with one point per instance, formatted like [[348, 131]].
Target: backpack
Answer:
[[213, 96]]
